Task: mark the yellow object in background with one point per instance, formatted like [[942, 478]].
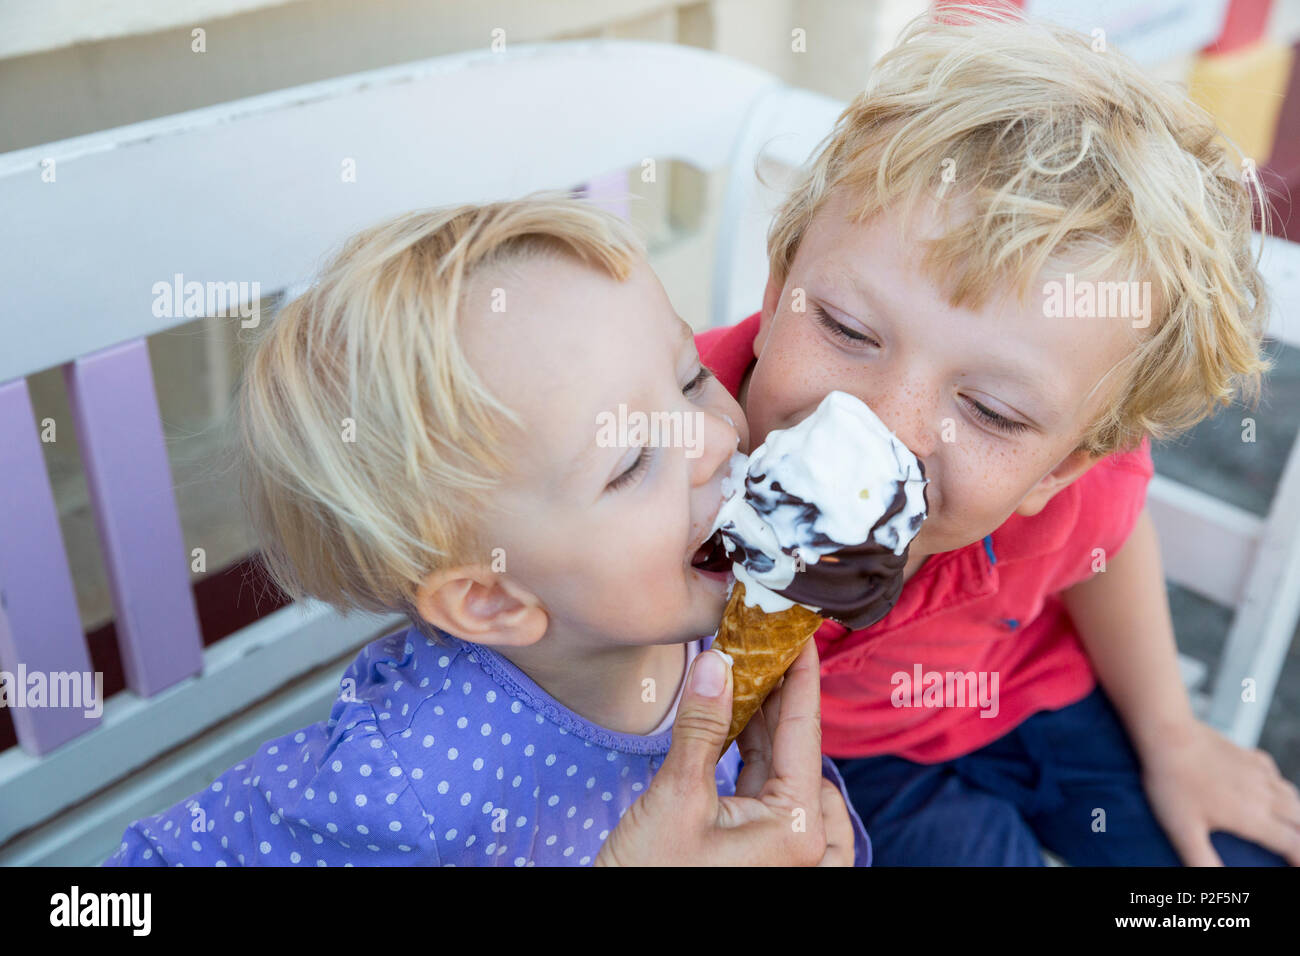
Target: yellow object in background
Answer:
[[1243, 90]]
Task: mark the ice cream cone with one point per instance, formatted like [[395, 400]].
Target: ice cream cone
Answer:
[[762, 646]]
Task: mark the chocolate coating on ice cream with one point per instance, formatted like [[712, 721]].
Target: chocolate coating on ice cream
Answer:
[[859, 584], [822, 514]]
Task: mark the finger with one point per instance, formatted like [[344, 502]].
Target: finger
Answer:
[[772, 705], [699, 731], [1286, 804], [1193, 846], [1282, 838], [838, 827], [797, 737], [755, 743]]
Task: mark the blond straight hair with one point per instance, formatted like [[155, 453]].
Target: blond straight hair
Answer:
[[368, 445], [1055, 152]]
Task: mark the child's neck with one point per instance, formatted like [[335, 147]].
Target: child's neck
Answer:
[[605, 686]]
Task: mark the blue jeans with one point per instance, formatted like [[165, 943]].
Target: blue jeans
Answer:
[[1041, 785]]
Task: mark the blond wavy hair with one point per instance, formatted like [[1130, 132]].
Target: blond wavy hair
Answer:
[[368, 445], [1059, 153]]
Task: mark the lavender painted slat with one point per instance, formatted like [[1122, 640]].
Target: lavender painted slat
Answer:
[[40, 629], [129, 478], [610, 192]]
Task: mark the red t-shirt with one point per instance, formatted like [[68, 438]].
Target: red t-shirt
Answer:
[[990, 608]]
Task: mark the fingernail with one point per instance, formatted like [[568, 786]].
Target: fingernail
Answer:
[[710, 674]]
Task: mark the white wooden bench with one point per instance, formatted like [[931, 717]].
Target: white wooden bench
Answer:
[[252, 191]]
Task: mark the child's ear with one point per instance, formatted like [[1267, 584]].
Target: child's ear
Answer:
[[1072, 466], [480, 605], [771, 299]]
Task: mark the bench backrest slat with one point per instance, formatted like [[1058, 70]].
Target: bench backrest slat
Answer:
[[40, 628]]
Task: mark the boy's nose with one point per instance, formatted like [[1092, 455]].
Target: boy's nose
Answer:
[[912, 420]]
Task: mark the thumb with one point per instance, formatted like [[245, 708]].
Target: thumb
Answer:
[[700, 728]]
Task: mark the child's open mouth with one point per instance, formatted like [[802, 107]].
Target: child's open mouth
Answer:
[[711, 559]]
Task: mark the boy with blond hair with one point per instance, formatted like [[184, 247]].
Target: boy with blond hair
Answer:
[[1029, 259]]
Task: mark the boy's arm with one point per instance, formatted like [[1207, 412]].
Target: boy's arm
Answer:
[[1195, 779], [1122, 616]]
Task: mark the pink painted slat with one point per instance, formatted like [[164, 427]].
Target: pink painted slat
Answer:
[[40, 629], [125, 457]]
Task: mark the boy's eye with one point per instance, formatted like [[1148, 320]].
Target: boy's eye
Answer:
[[634, 472], [695, 385], [841, 332], [995, 420]]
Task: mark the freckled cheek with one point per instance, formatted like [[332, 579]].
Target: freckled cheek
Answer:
[[977, 490], [789, 383]]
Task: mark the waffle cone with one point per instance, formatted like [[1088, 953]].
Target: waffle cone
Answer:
[[762, 646]]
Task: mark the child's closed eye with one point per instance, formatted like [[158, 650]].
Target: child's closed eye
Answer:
[[994, 419]]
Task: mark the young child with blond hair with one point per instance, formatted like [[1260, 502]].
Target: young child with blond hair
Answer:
[[422, 432], [1028, 258]]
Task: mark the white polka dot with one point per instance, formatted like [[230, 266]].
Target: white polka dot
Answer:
[[478, 763], [529, 750], [485, 730], [294, 857], [452, 753], [449, 835], [428, 740], [217, 786], [505, 739], [239, 816], [363, 829], [444, 661], [361, 799], [517, 781], [515, 707], [553, 800], [491, 696], [442, 786], [365, 770], [265, 847], [337, 766], [462, 723], [465, 798], [390, 799], [417, 774], [299, 737], [465, 687], [376, 744], [550, 760], [573, 768], [273, 751]]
